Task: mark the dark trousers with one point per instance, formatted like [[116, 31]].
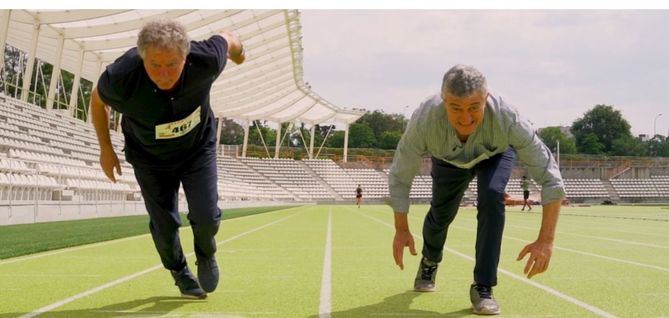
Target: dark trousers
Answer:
[[448, 186], [160, 191]]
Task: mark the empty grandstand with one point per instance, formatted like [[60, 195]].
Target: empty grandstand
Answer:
[[49, 156]]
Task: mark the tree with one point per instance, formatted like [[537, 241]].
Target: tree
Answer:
[[268, 134], [662, 149], [15, 63], [590, 144], [336, 140], [389, 139], [232, 133], [551, 135], [12, 71], [658, 146], [361, 136], [627, 145], [605, 124], [381, 122]]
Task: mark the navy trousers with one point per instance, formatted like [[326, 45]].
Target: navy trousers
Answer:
[[160, 191], [448, 186]]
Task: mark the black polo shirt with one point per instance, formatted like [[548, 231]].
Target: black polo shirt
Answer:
[[126, 87]]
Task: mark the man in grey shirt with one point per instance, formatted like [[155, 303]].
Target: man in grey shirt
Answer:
[[469, 133]]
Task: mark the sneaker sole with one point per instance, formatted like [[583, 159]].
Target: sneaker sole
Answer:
[[188, 296], [425, 290], [485, 313]]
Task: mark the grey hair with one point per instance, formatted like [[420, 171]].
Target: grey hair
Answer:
[[463, 80], [163, 34]]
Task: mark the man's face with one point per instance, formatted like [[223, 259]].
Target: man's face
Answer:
[[465, 114], [163, 66]]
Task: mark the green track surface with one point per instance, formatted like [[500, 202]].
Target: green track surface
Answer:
[[607, 261]]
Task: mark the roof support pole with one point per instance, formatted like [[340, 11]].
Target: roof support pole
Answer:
[[346, 144], [4, 29], [277, 147], [117, 124], [311, 141], [55, 74], [323, 143], [262, 139], [95, 87], [246, 138], [27, 76], [74, 95], [219, 128]]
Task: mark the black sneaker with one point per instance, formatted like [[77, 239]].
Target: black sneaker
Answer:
[[207, 273], [188, 284], [483, 303], [427, 272]]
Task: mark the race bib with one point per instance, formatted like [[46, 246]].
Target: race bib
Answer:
[[178, 128]]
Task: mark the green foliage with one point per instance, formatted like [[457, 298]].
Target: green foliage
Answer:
[[598, 128], [268, 134], [364, 136], [232, 133], [551, 135], [389, 139], [381, 122], [590, 144], [628, 145], [658, 146], [13, 81], [336, 139]]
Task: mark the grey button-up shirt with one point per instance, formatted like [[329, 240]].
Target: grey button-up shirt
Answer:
[[430, 133]]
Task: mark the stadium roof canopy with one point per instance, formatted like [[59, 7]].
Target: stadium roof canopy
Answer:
[[268, 86]]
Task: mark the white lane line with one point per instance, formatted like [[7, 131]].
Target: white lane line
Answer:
[[135, 275], [609, 258], [325, 307], [545, 288], [89, 292], [598, 237], [590, 227]]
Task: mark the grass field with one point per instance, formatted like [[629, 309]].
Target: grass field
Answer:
[[336, 261], [22, 239]]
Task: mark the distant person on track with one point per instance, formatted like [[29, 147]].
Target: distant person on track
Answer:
[[162, 89], [358, 196], [525, 184], [470, 132]]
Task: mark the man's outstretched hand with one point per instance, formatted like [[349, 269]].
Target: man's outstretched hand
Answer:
[[540, 256], [402, 239]]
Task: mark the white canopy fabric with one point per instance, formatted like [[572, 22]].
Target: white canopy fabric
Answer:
[[268, 86]]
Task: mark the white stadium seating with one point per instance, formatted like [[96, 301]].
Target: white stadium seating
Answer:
[[43, 153]]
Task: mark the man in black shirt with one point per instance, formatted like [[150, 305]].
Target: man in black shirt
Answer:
[[162, 89], [358, 196]]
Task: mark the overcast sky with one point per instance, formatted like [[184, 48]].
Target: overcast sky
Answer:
[[552, 65]]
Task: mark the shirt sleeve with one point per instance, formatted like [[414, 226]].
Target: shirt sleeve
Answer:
[[538, 159], [218, 46], [107, 92], [406, 163]]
